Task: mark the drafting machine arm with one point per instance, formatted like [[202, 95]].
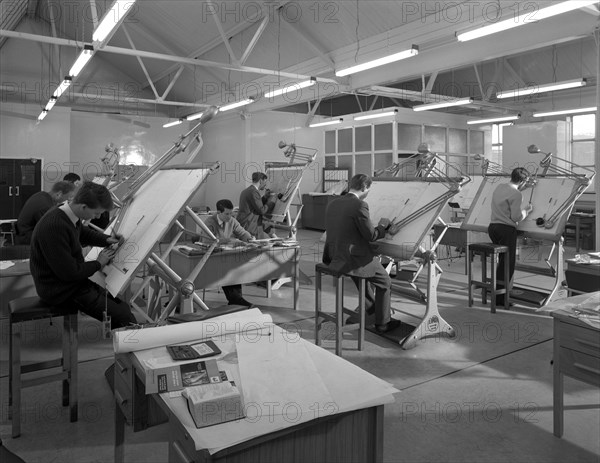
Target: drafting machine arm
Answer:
[[583, 181], [305, 154]]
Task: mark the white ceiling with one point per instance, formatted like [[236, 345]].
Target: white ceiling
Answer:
[[169, 57]]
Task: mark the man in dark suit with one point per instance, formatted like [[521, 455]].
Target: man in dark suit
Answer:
[[254, 206], [348, 248]]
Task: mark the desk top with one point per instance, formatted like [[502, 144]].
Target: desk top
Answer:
[[20, 268], [285, 380], [578, 310]]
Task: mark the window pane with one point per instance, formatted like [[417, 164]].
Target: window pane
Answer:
[[476, 141], [330, 141], [409, 137], [346, 162], [383, 137], [383, 160], [583, 153], [345, 141], [436, 138], [362, 138], [330, 162], [584, 126], [363, 164], [457, 141]]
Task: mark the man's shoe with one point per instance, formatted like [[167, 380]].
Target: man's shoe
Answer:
[[390, 326]]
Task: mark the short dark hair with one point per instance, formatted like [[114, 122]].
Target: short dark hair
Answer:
[[258, 176], [360, 181], [94, 196], [223, 204], [519, 174], [63, 187], [71, 177]]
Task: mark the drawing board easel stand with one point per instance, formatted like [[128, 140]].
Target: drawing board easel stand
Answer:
[[285, 183], [150, 209], [419, 203], [553, 194]]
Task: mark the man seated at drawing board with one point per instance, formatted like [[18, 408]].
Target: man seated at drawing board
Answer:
[[57, 266], [507, 212], [348, 250], [228, 231], [37, 205], [253, 206]]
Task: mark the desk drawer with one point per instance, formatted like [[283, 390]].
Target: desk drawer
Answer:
[[580, 366], [580, 339], [124, 398]]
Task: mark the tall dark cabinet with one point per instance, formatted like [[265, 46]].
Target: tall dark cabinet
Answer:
[[19, 179]]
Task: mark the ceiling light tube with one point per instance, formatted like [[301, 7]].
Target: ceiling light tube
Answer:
[[83, 58], [112, 19], [43, 114], [292, 87], [376, 115], [50, 104], [534, 89], [237, 104], [175, 122], [495, 119], [193, 117], [443, 104], [62, 87], [414, 50], [591, 109], [332, 122], [525, 18]]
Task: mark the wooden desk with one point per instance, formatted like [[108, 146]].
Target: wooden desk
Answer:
[[15, 282], [240, 267], [576, 354], [352, 430], [582, 278]]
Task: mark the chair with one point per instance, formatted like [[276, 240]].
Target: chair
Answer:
[[493, 252], [338, 316], [29, 309]]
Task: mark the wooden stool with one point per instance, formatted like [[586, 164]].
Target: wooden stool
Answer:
[[338, 317], [28, 309], [486, 284]]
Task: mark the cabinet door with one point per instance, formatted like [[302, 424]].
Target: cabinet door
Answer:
[[7, 189], [28, 180]]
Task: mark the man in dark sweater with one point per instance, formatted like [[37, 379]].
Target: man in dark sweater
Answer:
[[254, 206], [58, 268], [37, 205]]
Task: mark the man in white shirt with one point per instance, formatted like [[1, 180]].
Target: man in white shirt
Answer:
[[507, 212]]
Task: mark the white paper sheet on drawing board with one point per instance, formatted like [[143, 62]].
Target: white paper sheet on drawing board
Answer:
[[154, 207], [147, 338]]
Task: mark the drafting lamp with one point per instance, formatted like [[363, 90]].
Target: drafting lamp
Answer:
[[178, 147], [583, 181], [489, 167], [291, 151]]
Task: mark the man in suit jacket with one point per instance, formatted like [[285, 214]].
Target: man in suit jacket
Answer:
[[227, 229], [348, 248], [254, 206]]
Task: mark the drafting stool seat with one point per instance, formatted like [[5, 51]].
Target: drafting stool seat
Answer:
[[29, 309], [338, 317], [493, 252]]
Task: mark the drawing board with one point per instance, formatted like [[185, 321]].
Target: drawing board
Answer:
[[284, 181], [144, 220], [547, 197], [394, 198]]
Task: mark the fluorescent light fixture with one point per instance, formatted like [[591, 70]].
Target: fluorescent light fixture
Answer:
[[51, 102], [591, 109], [85, 55], [526, 18], [237, 104], [193, 117], [414, 50], [443, 104], [376, 115], [534, 89], [494, 119], [112, 19], [175, 122], [43, 114], [62, 87], [292, 87], [332, 122]]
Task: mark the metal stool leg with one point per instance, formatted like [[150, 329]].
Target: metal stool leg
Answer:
[[493, 259], [484, 277], [15, 379], [317, 304], [70, 359], [339, 313], [507, 282], [470, 256], [361, 308]]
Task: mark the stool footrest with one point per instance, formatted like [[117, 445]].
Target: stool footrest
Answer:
[[38, 366], [44, 379]]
